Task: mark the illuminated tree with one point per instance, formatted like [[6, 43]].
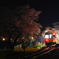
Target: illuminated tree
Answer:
[[56, 25], [19, 21]]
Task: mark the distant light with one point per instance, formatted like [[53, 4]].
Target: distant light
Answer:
[[17, 40], [11, 39], [32, 38], [23, 37], [3, 39]]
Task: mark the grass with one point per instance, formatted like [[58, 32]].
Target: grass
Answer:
[[27, 49]]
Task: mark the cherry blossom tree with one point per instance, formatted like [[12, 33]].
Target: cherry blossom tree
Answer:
[[16, 22], [56, 25]]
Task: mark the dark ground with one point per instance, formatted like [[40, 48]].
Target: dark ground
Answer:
[[52, 55], [10, 54]]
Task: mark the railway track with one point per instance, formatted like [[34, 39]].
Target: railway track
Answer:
[[38, 53]]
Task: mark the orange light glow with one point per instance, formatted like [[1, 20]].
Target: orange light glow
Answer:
[[54, 33], [17, 40], [3, 39]]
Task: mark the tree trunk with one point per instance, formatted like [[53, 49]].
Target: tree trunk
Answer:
[[15, 40], [9, 42]]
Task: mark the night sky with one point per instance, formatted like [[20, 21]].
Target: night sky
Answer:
[[50, 9]]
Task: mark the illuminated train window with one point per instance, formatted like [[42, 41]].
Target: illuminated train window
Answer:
[[48, 35]]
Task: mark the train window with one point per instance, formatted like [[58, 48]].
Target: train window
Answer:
[[50, 35], [46, 36]]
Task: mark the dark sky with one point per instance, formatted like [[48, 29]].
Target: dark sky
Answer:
[[50, 9]]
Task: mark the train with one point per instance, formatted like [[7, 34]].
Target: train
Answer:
[[50, 39]]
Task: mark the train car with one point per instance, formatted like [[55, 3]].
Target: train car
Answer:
[[50, 39]]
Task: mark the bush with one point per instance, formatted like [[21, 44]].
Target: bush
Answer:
[[39, 45]]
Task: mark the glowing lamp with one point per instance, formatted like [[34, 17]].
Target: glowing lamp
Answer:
[[3, 39]]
